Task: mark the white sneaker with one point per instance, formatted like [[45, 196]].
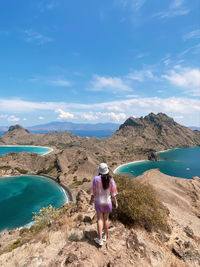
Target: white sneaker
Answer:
[[104, 237], [98, 241]]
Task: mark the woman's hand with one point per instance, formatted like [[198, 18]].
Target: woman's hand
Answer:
[[115, 201]]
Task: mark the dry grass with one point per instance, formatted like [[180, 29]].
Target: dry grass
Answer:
[[139, 205], [42, 237]]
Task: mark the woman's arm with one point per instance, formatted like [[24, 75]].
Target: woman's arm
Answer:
[[115, 201]]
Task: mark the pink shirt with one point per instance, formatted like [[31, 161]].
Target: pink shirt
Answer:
[[102, 196]]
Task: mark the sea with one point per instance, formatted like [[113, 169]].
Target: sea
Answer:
[[20, 196], [180, 162], [34, 149]]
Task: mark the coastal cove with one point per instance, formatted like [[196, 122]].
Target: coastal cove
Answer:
[[31, 149], [22, 195], [179, 162]]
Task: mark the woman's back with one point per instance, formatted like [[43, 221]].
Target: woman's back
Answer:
[[102, 196]]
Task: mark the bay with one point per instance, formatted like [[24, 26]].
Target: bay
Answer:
[[20, 196], [31, 149], [181, 162]]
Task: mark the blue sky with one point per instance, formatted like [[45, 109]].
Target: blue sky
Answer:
[[99, 61]]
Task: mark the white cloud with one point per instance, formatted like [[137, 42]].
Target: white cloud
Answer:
[[3, 116], [59, 82], [142, 55], [171, 13], [24, 119], [178, 117], [131, 96], [186, 78], [116, 116], [174, 106], [141, 75], [176, 3], [41, 118], [89, 116], [192, 35], [13, 118], [21, 106], [115, 84], [64, 115], [176, 8], [38, 38], [135, 5]]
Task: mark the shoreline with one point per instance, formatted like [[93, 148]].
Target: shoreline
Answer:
[[137, 161], [50, 149], [132, 162], [69, 197]]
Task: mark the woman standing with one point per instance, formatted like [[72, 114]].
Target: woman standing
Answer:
[[103, 188]]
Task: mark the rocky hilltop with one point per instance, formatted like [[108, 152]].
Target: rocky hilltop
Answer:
[[157, 132]]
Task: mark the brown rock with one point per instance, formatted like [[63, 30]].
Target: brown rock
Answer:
[[70, 258], [189, 232], [178, 252]]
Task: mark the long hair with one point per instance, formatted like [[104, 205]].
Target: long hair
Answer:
[[105, 179]]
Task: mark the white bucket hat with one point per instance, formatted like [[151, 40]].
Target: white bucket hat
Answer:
[[103, 168]]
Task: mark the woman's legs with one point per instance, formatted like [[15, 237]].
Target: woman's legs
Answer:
[[105, 223], [100, 223]]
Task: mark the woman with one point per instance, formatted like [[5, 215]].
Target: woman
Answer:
[[103, 188]]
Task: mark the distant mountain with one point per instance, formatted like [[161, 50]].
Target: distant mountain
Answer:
[[194, 128], [70, 126], [3, 128]]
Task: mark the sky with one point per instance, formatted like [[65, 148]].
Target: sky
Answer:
[[99, 61]]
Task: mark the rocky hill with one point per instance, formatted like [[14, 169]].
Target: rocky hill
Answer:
[[155, 132], [77, 158]]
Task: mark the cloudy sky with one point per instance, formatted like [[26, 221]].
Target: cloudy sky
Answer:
[[99, 61]]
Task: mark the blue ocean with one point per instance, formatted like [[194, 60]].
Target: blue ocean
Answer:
[[33, 149], [181, 162], [22, 195]]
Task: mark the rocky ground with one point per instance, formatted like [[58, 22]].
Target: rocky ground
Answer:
[[69, 241]]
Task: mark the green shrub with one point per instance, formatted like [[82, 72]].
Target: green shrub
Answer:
[[76, 184], [22, 171], [139, 205], [16, 244], [5, 167]]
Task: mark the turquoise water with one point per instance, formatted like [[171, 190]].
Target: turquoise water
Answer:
[[34, 149], [182, 162], [20, 196]]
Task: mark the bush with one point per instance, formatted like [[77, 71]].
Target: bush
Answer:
[[16, 244], [139, 205], [22, 171], [75, 184], [44, 217]]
